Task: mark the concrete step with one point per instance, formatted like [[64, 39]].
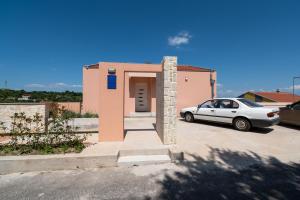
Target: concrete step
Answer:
[[134, 152], [143, 160], [141, 114], [132, 157]]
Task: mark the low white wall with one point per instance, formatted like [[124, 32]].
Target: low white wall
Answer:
[[9, 109], [85, 123]]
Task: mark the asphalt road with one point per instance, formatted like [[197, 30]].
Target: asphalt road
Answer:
[[221, 164], [201, 179]]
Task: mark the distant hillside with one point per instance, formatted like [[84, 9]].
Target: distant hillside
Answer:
[[13, 96]]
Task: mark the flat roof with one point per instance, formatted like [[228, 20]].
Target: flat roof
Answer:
[[179, 68]]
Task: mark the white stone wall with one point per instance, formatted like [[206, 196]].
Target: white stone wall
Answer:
[[166, 101], [8, 110]]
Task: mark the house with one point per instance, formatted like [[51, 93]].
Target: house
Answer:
[[194, 85], [25, 97], [265, 97]]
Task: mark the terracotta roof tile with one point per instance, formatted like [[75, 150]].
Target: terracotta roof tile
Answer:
[[179, 68], [279, 96], [192, 68], [92, 66]]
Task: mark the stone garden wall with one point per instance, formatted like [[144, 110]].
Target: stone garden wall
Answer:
[[166, 101]]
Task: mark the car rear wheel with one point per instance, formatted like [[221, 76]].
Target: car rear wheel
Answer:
[[189, 117], [242, 124]]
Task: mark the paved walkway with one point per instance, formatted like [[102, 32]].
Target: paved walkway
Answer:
[[139, 134], [200, 138], [201, 141]]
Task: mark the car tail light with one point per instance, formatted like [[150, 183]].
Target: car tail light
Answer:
[[271, 114]]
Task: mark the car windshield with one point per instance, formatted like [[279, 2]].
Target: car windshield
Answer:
[[249, 103], [208, 104]]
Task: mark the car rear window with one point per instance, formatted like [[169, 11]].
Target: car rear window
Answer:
[[249, 103]]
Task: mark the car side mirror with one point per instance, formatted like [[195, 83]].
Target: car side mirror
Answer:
[[289, 106]]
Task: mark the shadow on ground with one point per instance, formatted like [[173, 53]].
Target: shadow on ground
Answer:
[[290, 126], [227, 174], [228, 126]]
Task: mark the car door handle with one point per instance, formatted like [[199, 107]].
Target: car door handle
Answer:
[[212, 110], [233, 111]]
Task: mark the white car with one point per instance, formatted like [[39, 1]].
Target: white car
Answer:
[[241, 113]]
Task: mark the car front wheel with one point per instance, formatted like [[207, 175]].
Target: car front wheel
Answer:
[[241, 124], [189, 117]]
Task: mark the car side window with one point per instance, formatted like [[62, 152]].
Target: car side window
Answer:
[[296, 106], [227, 104], [208, 104], [235, 104]]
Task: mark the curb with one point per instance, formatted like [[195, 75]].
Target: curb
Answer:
[[13, 164]]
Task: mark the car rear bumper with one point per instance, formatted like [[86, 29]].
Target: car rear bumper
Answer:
[[264, 122], [182, 114]]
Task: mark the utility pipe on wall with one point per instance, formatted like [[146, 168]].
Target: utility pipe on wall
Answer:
[[212, 84], [294, 86]]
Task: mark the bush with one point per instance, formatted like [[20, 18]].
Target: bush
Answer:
[[89, 115], [71, 114]]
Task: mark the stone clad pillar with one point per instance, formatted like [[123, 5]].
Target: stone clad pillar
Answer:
[[166, 100]]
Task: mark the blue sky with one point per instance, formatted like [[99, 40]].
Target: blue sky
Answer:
[[253, 45]]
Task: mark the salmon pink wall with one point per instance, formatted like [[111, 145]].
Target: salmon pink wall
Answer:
[[71, 106], [90, 89], [153, 94], [129, 100], [193, 88], [111, 109]]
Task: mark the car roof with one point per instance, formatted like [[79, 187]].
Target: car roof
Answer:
[[227, 98], [296, 102]]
